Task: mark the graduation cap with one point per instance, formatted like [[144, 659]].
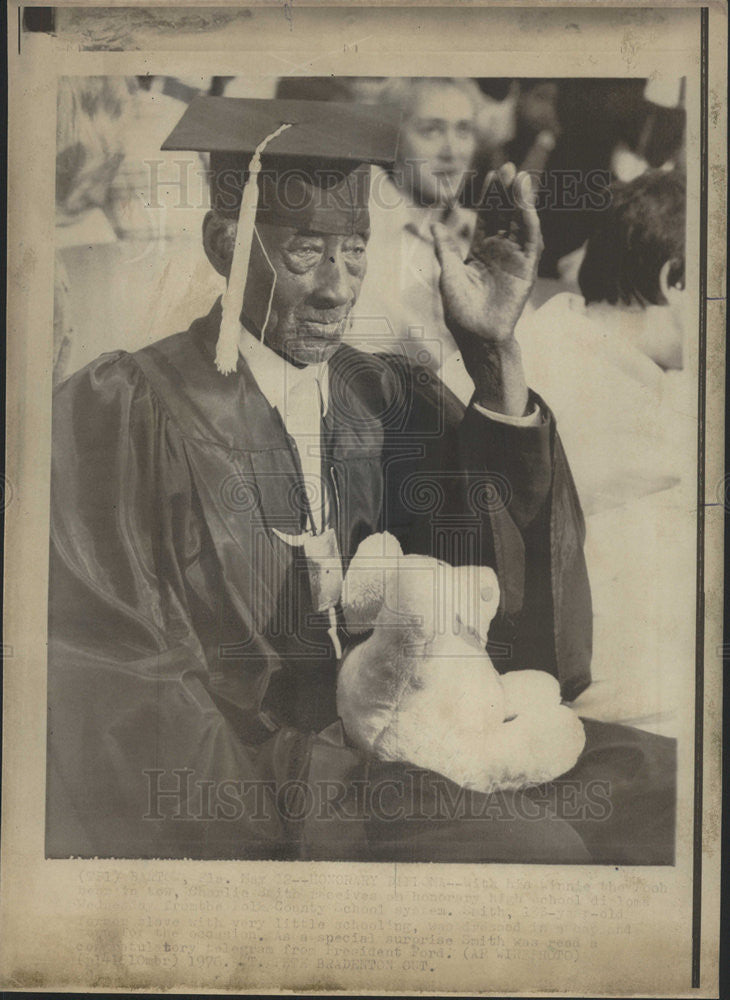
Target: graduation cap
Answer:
[[304, 164]]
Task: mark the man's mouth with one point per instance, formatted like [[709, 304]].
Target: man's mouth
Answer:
[[322, 330]]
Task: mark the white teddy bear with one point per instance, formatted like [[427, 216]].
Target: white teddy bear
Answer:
[[422, 689]]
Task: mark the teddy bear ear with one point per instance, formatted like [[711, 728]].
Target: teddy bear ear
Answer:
[[476, 598], [364, 586]]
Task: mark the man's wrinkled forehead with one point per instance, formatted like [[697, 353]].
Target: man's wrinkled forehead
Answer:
[[318, 196], [276, 235]]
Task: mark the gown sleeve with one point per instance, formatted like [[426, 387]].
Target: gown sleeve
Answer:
[[538, 530], [141, 763], [484, 491]]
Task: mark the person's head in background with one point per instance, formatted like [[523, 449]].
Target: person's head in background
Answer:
[[536, 124], [437, 140], [635, 260], [537, 106]]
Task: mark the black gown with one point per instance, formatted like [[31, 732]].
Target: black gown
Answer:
[[191, 708]]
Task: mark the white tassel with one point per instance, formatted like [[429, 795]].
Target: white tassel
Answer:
[[226, 355]]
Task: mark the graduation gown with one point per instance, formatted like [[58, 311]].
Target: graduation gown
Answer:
[[191, 688]]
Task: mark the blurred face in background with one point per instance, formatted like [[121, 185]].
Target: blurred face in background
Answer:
[[436, 143], [537, 108], [366, 89]]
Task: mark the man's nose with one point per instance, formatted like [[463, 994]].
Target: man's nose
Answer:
[[332, 286]]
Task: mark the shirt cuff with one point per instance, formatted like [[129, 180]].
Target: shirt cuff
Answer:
[[532, 419]]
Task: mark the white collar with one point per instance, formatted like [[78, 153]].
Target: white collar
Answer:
[[277, 378], [418, 219]]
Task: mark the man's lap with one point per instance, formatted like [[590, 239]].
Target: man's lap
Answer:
[[616, 806]]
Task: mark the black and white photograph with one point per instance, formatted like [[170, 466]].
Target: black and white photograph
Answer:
[[375, 416], [318, 586]]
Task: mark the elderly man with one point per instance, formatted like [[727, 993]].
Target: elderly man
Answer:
[[205, 487]]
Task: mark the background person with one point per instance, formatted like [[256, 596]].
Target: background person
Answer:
[[401, 304], [611, 360], [621, 343]]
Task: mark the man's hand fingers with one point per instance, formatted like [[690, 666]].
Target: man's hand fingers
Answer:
[[497, 203], [530, 232], [507, 174], [494, 199], [447, 251], [515, 222], [524, 191]]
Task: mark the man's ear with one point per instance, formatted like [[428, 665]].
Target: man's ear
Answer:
[[219, 239], [666, 283]]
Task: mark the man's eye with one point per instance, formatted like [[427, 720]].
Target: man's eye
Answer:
[[302, 257], [305, 249], [355, 255]]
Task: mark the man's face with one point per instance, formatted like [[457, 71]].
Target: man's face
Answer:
[[318, 279], [436, 144]]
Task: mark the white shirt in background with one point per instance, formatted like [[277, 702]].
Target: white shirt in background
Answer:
[[400, 300], [629, 431]]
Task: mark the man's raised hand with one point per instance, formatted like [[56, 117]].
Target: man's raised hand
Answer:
[[483, 297]]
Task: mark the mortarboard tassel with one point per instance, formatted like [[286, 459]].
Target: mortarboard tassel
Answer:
[[226, 355]]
